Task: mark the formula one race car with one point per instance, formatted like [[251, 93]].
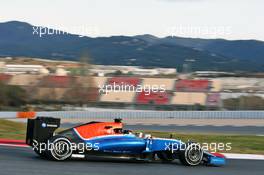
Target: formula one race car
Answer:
[[109, 139]]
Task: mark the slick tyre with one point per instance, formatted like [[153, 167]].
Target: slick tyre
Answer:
[[61, 148], [42, 154], [192, 155]]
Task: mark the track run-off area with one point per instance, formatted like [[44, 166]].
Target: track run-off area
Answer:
[[19, 160]]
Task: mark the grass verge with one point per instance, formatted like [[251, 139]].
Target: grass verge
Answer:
[[12, 130]]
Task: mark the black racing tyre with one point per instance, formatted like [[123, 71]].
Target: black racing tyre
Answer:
[[192, 155], [61, 148], [40, 149], [42, 154], [165, 156]]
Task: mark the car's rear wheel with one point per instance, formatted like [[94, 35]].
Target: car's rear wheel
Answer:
[[192, 155], [61, 148], [41, 153]]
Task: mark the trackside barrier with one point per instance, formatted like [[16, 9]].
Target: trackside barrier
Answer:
[[143, 114], [28, 114]]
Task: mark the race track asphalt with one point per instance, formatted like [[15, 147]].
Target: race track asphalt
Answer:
[[23, 161]]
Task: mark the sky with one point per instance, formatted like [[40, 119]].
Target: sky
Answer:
[[229, 19]]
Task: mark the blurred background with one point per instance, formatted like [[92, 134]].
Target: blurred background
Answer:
[[68, 85]]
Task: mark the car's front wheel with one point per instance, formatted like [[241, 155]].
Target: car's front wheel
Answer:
[[61, 148], [192, 155]]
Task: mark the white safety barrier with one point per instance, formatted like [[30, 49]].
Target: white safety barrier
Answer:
[[95, 113]]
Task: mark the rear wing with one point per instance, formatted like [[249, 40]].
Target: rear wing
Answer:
[[41, 129]]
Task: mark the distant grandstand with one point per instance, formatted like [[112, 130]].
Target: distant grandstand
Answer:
[[118, 97], [55, 81], [168, 83], [189, 98], [153, 98], [193, 85], [5, 78], [85, 89], [213, 99], [25, 80], [131, 81]]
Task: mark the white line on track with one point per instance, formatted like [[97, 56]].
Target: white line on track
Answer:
[[78, 156], [244, 156]]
